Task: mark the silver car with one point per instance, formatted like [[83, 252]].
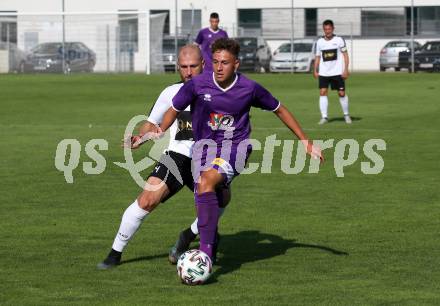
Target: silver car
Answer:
[[389, 55], [303, 57]]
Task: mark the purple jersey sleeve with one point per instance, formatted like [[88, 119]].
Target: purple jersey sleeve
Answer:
[[184, 97], [199, 38], [263, 99]]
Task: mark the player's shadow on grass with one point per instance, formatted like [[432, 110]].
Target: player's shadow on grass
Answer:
[[142, 258], [250, 246], [335, 119]]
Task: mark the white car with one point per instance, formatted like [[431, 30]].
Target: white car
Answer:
[[303, 57]]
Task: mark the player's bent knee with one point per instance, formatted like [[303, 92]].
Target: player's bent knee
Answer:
[[205, 186], [341, 93], [148, 201], [323, 92], [208, 181]]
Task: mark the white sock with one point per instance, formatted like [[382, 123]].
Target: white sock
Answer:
[[131, 221], [344, 104], [194, 227], [323, 106]]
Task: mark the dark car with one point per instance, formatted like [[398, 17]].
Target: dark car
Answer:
[[426, 58], [48, 57], [404, 60], [254, 55], [169, 52]]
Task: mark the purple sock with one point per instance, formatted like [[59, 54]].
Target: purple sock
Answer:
[[208, 214]]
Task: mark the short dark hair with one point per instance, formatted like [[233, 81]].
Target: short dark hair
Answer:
[[227, 44], [328, 22], [214, 15]]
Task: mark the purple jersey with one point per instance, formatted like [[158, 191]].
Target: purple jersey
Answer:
[[205, 39], [223, 114]]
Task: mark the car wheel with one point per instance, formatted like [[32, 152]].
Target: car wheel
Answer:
[[382, 68], [397, 69]]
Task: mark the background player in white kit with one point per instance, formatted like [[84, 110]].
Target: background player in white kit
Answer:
[[331, 67], [179, 153]]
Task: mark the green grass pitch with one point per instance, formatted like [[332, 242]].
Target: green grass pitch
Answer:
[[307, 239]]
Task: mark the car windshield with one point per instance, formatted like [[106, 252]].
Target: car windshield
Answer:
[[247, 42], [397, 44], [50, 48], [431, 46], [298, 47], [168, 45]]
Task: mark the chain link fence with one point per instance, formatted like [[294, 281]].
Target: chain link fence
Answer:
[[140, 41], [70, 43]]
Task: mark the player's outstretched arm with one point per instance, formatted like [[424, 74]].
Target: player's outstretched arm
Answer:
[[157, 132], [168, 118], [145, 131], [148, 127], [289, 120]]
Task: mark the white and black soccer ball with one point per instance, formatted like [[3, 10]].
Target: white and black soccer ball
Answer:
[[194, 267]]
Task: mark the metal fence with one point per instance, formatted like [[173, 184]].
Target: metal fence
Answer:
[[96, 42], [140, 41]]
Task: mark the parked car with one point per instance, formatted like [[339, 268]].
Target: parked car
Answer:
[[303, 57], [428, 57], [169, 52], [255, 54], [404, 60], [389, 54], [17, 57], [48, 57]]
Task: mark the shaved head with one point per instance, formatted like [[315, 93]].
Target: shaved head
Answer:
[[190, 50], [190, 62]]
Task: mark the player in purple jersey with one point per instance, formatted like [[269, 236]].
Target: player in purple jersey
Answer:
[[220, 105], [207, 37]]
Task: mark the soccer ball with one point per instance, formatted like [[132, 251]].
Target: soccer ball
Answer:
[[194, 267]]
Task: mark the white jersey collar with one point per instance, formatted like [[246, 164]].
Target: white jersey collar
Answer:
[[212, 31], [227, 88]]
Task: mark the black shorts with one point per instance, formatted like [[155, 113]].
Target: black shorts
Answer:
[[183, 164], [336, 82]]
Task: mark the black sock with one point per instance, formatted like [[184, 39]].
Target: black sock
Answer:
[[189, 235], [115, 254]]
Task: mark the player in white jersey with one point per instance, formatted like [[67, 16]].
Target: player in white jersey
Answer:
[[331, 67], [178, 156]]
